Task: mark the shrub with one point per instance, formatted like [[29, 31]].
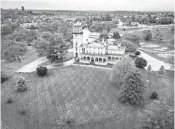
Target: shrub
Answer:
[[9, 99], [147, 35], [41, 70], [21, 84], [161, 71], [149, 68], [4, 77], [116, 35], [137, 53], [140, 62], [154, 95], [157, 115], [22, 109], [132, 90]]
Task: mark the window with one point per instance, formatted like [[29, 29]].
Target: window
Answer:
[[100, 60], [104, 60]]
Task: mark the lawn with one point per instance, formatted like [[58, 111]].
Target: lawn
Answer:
[[11, 67], [79, 93]]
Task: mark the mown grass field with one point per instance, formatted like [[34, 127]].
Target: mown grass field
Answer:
[[79, 93]]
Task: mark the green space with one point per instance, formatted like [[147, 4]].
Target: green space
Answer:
[[11, 67], [81, 94]]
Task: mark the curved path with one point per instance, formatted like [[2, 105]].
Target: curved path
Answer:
[[32, 66]]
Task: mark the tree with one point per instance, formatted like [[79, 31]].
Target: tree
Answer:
[[14, 26], [159, 116], [104, 35], [96, 28], [158, 35], [140, 62], [147, 35], [41, 46], [137, 53], [14, 51], [121, 69], [116, 35], [56, 48], [161, 71], [30, 36], [47, 27], [134, 38], [46, 35], [132, 90], [130, 47], [6, 29], [149, 68]]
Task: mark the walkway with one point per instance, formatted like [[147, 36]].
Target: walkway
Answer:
[[33, 65], [158, 52], [155, 63]]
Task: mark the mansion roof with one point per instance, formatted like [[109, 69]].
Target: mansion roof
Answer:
[[108, 46]]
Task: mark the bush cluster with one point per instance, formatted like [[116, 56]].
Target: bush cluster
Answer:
[[140, 62], [154, 95], [41, 70], [21, 84], [157, 115], [132, 90], [137, 53], [4, 77]]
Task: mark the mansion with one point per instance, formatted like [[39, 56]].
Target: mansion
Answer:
[[95, 52]]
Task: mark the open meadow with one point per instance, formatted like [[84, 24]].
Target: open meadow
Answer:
[[76, 93]]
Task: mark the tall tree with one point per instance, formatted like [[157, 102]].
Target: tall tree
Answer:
[[57, 48], [147, 35], [14, 50], [6, 29], [116, 35], [130, 47], [133, 38]]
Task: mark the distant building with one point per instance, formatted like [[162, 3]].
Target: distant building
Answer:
[[135, 23], [29, 25], [95, 52], [22, 8]]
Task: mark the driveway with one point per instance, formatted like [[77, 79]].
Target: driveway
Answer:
[[33, 65]]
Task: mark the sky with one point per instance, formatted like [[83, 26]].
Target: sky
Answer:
[[101, 5]]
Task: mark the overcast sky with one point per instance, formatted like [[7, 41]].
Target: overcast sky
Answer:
[[117, 5]]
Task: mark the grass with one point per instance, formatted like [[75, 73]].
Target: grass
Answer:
[[11, 67], [155, 55], [81, 94]]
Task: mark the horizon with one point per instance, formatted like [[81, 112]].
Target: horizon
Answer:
[[90, 5], [82, 10]]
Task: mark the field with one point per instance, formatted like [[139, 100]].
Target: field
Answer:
[[79, 93], [11, 67]]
